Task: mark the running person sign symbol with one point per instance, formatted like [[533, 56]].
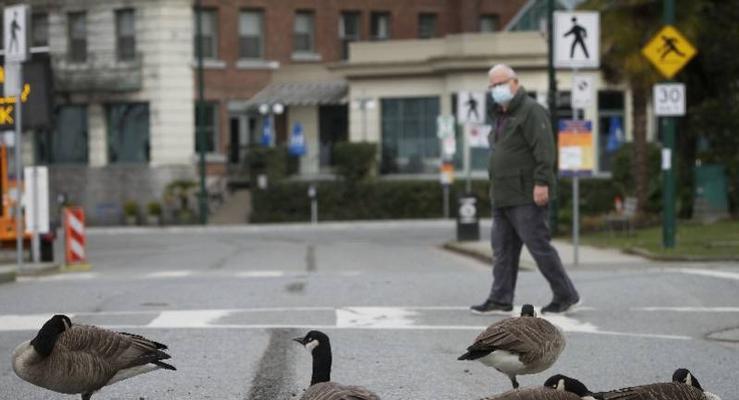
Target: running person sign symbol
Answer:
[[669, 51]]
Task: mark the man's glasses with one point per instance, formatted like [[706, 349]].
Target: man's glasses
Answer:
[[494, 85]]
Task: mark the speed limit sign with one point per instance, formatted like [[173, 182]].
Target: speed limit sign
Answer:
[[669, 99]]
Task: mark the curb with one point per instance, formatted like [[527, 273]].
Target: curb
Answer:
[[39, 269], [456, 247], [7, 274], [638, 251]]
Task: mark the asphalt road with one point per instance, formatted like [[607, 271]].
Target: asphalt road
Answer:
[[228, 301]]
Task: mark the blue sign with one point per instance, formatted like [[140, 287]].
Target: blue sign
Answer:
[[615, 135], [266, 132], [296, 145]]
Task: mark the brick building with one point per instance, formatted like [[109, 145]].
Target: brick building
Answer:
[[264, 52]]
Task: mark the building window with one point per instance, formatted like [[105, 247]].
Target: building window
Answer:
[[125, 29], [380, 25], [209, 125], [349, 31], [209, 33], [303, 32], [426, 25], [39, 30], [67, 144], [409, 142], [489, 23], [611, 128], [128, 132], [251, 34], [77, 50]]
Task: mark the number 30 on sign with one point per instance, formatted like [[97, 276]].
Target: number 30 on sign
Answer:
[[669, 99]]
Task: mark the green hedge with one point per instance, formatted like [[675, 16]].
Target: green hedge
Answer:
[[379, 199], [355, 161]]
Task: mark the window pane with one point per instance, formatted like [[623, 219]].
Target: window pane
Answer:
[[126, 31], [409, 141], [250, 23], [77, 37], [250, 34], [209, 37], [303, 32], [210, 127], [68, 144], [40, 30], [489, 23], [426, 26], [349, 26], [128, 133], [380, 26]]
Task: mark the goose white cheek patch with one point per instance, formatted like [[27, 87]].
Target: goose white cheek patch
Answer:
[[312, 345]]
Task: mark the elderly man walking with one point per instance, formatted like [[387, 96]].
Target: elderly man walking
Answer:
[[521, 173]]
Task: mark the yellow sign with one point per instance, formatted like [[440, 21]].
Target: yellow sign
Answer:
[[669, 51]]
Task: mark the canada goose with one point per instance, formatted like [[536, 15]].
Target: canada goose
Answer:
[[321, 387], [557, 387], [518, 346], [684, 386], [81, 359]]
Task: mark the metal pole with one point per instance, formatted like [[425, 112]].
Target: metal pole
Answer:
[[35, 248], [668, 175], [314, 211], [552, 101], [575, 198], [363, 105], [446, 201], [467, 167], [200, 131], [19, 228]]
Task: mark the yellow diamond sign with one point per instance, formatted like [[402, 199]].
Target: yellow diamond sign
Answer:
[[669, 51]]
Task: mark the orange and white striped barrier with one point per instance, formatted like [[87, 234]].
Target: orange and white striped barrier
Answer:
[[74, 233]]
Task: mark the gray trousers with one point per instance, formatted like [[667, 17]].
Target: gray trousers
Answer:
[[512, 228]]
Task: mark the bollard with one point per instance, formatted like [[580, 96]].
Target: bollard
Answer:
[[313, 203]]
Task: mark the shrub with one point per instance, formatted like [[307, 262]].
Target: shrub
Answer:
[[131, 208], [624, 179], [355, 161], [154, 208], [270, 161]]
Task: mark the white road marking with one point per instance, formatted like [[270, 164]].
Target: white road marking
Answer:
[[169, 274], [261, 274], [64, 276], [691, 309], [187, 319], [710, 272], [374, 318]]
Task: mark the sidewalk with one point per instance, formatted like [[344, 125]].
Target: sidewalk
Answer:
[[9, 272], [588, 256]]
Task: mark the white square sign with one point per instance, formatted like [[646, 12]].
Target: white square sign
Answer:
[[14, 33], [669, 99], [471, 107], [38, 183], [582, 91], [576, 39]]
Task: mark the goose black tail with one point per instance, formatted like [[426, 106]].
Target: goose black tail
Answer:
[[164, 365], [473, 355]]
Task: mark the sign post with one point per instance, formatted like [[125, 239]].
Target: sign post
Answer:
[[576, 159], [669, 51], [446, 133], [15, 32], [470, 109], [577, 45]]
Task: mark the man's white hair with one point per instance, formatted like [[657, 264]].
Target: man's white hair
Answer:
[[506, 69]]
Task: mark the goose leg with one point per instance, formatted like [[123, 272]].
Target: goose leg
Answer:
[[86, 396], [514, 381]]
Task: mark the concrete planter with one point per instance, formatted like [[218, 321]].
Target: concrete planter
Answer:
[[153, 220], [131, 220]]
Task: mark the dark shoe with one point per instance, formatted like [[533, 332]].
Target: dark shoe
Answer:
[[491, 307], [560, 308]]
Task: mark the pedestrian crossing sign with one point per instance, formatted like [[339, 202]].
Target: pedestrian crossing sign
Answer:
[[669, 51]]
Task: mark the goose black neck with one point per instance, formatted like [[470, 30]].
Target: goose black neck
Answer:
[[321, 364]]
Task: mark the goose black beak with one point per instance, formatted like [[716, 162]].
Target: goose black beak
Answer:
[[300, 340]]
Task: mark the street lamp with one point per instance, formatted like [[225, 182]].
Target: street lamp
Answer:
[[269, 111], [364, 104]]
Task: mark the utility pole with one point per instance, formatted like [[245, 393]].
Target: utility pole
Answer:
[[552, 101], [668, 174], [199, 128]]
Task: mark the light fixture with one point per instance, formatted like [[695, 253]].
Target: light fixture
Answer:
[[370, 104], [264, 109], [278, 108]]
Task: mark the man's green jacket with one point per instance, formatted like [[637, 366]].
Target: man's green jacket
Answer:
[[522, 151]]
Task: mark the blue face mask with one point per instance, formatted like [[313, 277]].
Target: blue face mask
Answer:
[[501, 94]]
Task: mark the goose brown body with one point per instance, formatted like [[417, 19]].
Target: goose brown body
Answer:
[[335, 391], [656, 391]]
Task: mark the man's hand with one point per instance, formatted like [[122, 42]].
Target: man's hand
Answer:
[[541, 195]]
